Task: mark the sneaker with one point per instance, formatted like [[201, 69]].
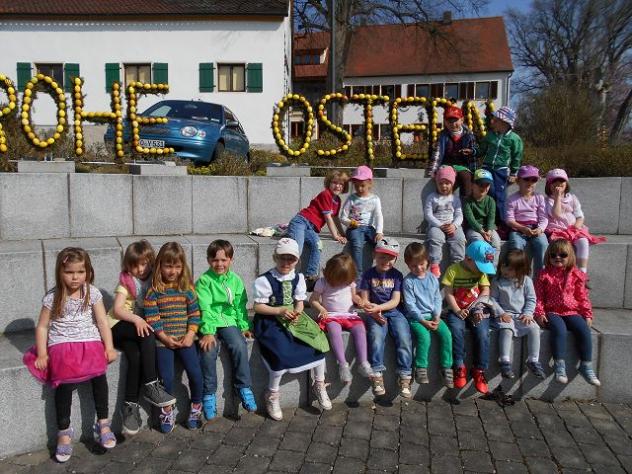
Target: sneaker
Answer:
[[560, 371], [248, 399], [273, 405], [421, 375], [377, 385], [167, 419], [460, 377], [195, 417], [344, 372], [435, 270], [448, 378], [506, 370], [404, 387], [131, 418], [478, 375], [209, 405], [310, 282], [320, 391], [156, 394], [589, 374], [365, 370], [536, 369]]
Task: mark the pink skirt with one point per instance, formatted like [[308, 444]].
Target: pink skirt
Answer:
[[346, 320], [69, 362]]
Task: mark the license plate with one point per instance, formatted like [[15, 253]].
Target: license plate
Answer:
[[151, 143]]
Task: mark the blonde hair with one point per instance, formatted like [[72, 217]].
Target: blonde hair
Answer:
[[337, 175], [560, 246], [171, 252], [66, 256], [137, 252], [340, 270], [415, 252]]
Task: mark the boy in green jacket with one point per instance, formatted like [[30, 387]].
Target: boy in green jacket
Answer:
[[222, 300], [502, 155]]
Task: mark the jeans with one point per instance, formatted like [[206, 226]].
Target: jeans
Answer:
[[481, 340], [498, 189], [435, 238], [302, 230], [538, 246], [63, 400], [397, 325], [237, 347], [357, 238], [191, 362], [473, 235], [575, 324], [423, 337]]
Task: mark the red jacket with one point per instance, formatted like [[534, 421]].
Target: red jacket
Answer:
[[562, 292], [325, 203]]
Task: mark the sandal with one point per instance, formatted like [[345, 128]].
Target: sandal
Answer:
[[107, 440], [64, 451]]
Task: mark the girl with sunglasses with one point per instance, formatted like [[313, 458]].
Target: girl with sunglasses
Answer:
[[563, 304]]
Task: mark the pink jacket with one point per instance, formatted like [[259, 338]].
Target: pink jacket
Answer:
[[562, 292]]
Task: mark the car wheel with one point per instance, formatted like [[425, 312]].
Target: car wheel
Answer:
[[219, 151]]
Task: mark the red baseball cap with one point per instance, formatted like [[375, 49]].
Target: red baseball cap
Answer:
[[453, 112]]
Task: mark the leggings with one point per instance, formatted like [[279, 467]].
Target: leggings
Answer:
[[63, 400], [358, 333], [581, 248], [575, 324], [274, 379]]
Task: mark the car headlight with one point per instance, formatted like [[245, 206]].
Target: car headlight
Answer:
[[190, 131]]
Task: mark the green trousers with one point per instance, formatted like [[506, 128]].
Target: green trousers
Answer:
[[422, 338]]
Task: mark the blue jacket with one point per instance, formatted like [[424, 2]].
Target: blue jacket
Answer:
[[467, 141]]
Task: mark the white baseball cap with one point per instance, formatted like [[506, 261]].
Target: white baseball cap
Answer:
[[287, 246]]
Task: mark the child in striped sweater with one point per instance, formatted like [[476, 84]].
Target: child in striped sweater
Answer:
[[171, 309]]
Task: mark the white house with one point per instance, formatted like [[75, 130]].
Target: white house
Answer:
[[231, 52]]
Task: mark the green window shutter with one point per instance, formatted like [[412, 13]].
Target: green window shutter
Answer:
[[254, 77], [112, 75], [207, 83], [161, 73], [24, 75], [70, 72]]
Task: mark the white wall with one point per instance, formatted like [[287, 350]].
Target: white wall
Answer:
[[181, 44]]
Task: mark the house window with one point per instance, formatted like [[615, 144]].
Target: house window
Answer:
[[56, 71], [493, 90], [482, 90], [466, 90], [452, 90], [137, 73], [356, 130], [422, 90], [297, 129], [348, 91], [231, 77], [389, 91], [436, 90]]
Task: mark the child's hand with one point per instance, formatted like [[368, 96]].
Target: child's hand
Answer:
[[41, 362], [589, 322], [110, 355], [187, 340], [143, 329], [511, 179], [378, 237], [541, 320], [207, 342], [430, 324], [466, 151], [171, 342], [558, 191], [323, 315], [378, 318], [506, 318], [341, 238], [289, 315], [537, 231], [353, 224], [371, 308], [248, 334], [487, 235], [477, 317], [526, 319], [448, 229], [463, 313]]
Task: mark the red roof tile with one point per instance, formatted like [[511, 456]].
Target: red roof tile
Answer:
[[462, 46]]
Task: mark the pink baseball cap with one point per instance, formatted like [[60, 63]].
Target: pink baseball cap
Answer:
[[556, 173], [528, 171], [445, 172], [362, 173]]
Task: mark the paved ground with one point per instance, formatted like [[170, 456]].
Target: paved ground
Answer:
[[406, 437]]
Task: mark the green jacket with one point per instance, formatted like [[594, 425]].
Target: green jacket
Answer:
[[502, 151], [222, 300], [480, 215]]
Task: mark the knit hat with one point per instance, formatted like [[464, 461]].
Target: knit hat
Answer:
[[556, 173], [483, 176], [505, 114], [528, 171], [453, 112], [483, 255], [287, 246], [445, 172], [362, 173]]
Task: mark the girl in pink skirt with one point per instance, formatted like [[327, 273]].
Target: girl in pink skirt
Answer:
[[73, 344]]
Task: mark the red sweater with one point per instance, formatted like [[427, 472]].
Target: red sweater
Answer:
[[325, 203], [562, 292]]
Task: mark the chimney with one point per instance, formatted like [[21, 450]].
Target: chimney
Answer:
[[447, 17]]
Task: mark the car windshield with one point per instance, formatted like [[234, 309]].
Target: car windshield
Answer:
[[202, 111]]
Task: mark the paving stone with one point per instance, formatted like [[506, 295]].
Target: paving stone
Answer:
[[505, 451], [387, 423], [602, 456], [382, 459], [533, 447], [273, 428], [541, 466], [626, 462], [263, 446], [219, 425], [296, 441], [443, 445], [31, 459], [526, 429], [334, 417], [608, 470], [328, 434], [289, 461], [354, 448], [557, 437], [132, 452], [212, 469], [503, 467], [477, 461], [412, 469], [357, 430], [385, 440], [170, 449], [472, 441], [413, 454], [226, 456], [346, 465], [152, 465], [253, 464], [315, 468], [190, 461], [303, 424], [568, 456], [585, 434], [443, 427], [446, 465], [321, 452], [619, 445], [466, 408], [607, 428], [498, 432], [360, 415], [239, 436], [468, 423]]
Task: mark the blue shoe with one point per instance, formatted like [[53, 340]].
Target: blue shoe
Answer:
[[585, 368], [536, 369], [195, 417], [209, 403], [248, 399], [167, 419]]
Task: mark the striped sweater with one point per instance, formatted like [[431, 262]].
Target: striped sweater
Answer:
[[174, 312]]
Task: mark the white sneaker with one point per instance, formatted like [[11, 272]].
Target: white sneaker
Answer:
[[365, 370], [273, 405], [404, 387], [320, 391], [344, 372]]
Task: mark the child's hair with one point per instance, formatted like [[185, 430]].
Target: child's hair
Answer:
[[340, 270], [560, 246], [171, 252], [517, 261], [415, 252], [218, 245], [70, 255], [337, 175], [137, 252], [548, 188]]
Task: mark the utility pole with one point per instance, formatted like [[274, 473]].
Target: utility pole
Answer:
[[332, 56]]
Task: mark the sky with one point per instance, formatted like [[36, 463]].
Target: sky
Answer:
[[498, 7]]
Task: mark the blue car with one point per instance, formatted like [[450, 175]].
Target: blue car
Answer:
[[198, 131]]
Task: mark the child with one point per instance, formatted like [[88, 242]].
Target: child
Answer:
[[305, 226], [526, 217], [502, 154], [563, 303], [442, 211], [479, 211], [73, 344], [134, 336], [456, 147], [422, 300], [171, 309], [279, 298], [380, 289], [464, 283], [513, 297], [362, 214], [333, 298], [565, 217], [222, 299]]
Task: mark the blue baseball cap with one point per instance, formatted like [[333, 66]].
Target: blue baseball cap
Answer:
[[483, 176], [483, 255]]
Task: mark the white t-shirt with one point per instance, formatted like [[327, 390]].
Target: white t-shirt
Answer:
[[75, 324], [263, 290], [364, 210], [335, 299]]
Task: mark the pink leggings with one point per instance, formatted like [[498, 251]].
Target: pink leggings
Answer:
[[581, 248], [358, 333]]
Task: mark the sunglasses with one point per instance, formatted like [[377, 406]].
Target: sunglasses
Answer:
[[530, 180], [559, 255]]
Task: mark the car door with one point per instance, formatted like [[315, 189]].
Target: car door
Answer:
[[240, 141]]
